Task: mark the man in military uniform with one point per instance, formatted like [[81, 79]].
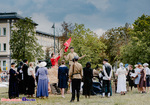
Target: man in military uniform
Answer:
[[71, 55], [75, 76]]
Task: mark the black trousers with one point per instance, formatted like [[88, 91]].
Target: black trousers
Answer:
[[76, 83], [106, 82]]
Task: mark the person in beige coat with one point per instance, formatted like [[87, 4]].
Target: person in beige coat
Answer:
[[75, 76], [71, 55]]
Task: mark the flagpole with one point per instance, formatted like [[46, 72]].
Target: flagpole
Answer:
[[54, 36]]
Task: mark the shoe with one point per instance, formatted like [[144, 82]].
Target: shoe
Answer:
[[103, 95], [77, 100], [108, 95], [63, 96], [143, 92], [71, 100]]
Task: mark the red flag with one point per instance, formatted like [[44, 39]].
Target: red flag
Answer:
[[67, 44]]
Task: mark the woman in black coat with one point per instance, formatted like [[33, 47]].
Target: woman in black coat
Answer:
[[87, 79], [13, 83]]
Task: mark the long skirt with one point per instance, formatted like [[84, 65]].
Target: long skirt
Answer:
[[42, 89], [21, 87], [31, 85], [142, 83], [13, 89], [87, 87], [121, 84]]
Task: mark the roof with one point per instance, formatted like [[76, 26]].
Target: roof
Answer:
[[44, 33], [12, 15]]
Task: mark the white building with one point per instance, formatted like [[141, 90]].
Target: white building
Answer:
[[6, 21]]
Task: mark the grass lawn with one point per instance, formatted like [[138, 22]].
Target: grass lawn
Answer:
[[131, 98]]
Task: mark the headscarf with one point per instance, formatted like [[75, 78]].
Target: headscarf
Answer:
[[88, 65], [121, 65]]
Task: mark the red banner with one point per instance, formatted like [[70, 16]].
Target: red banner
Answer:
[[67, 44]]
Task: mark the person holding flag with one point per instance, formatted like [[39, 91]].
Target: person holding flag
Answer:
[[72, 54], [53, 73]]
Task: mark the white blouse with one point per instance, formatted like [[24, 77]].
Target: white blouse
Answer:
[[147, 71], [29, 71]]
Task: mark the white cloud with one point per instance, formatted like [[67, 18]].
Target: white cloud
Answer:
[[99, 31], [44, 24], [19, 12], [94, 21], [100, 4], [39, 3]]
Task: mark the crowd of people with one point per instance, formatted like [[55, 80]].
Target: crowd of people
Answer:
[[56, 79], [138, 77]]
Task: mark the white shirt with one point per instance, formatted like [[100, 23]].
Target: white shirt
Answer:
[[106, 77], [147, 70], [29, 71], [121, 71]]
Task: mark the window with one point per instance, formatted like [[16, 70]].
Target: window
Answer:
[[4, 31], [4, 47], [4, 65]]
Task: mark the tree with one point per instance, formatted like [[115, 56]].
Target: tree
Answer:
[[115, 38], [47, 55], [86, 42], [138, 49], [67, 28], [23, 44]]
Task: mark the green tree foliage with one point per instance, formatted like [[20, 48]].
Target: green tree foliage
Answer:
[[67, 28], [23, 42], [86, 42], [47, 53], [115, 38], [138, 49]]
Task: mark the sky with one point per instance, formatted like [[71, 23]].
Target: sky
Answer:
[[98, 15]]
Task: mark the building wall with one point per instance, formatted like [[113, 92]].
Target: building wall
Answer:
[[46, 41], [4, 45], [42, 39]]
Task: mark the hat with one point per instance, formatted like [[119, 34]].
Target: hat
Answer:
[[139, 63], [13, 63], [76, 58], [126, 65], [42, 64], [21, 63], [145, 64], [39, 61], [135, 65], [71, 47], [121, 64], [25, 60], [105, 60]]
